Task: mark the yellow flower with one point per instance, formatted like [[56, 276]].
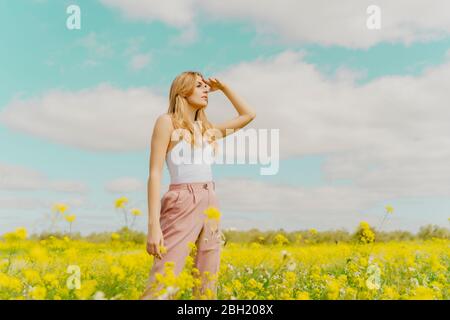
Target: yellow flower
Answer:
[[169, 265], [136, 212], [120, 202], [390, 293], [118, 272], [162, 249], [252, 283], [32, 276], [39, 254], [366, 235], [189, 262], [389, 209], [115, 236], [281, 239], [50, 279], [191, 246], [350, 293], [212, 213], [21, 233], [422, 293], [285, 295], [333, 290], [70, 218], [250, 294], [9, 282], [60, 207], [255, 245], [313, 231], [87, 289], [388, 270], [71, 254], [236, 284], [290, 278], [38, 293], [18, 234], [301, 295], [364, 225]]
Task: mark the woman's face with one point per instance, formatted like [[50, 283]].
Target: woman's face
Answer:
[[199, 97]]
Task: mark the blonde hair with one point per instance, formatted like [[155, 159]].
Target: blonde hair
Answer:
[[182, 87]]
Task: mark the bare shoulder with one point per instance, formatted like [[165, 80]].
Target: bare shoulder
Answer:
[[164, 123], [164, 119]]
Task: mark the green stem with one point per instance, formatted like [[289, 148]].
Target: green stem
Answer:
[[125, 215], [132, 223]]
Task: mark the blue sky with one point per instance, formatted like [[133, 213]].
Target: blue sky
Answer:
[[40, 56]]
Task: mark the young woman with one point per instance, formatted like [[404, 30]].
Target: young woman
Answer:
[[178, 218]]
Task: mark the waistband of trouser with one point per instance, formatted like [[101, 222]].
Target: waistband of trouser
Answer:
[[193, 185]]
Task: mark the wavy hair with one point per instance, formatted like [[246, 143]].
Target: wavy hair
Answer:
[[183, 86]]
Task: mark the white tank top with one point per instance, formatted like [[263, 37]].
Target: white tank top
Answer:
[[188, 164]]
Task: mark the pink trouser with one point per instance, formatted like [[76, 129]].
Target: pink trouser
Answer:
[[183, 220]]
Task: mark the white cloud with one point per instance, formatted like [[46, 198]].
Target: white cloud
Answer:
[[328, 23], [399, 124], [265, 205], [137, 60], [23, 202], [20, 202], [292, 207], [90, 63], [95, 46], [172, 12], [124, 184], [175, 13], [133, 45], [140, 61], [97, 50], [188, 35], [14, 177], [102, 118]]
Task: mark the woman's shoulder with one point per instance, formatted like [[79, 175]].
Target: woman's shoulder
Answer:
[[163, 126], [164, 120], [166, 117]]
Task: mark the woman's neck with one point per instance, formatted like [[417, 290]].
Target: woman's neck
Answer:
[[192, 113]]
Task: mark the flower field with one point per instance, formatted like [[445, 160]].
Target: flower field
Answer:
[[64, 268]]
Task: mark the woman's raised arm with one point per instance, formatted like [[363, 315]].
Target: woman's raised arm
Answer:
[[246, 113]]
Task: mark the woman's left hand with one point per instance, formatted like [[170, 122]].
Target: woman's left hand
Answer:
[[214, 84]]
